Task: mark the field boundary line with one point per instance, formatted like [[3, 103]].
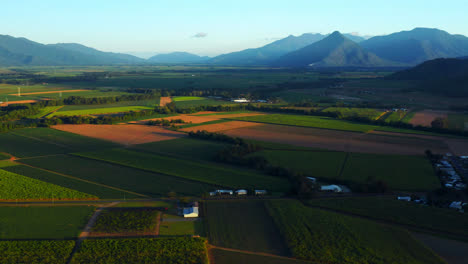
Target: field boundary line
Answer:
[[83, 180], [52, 111], [257, 253]]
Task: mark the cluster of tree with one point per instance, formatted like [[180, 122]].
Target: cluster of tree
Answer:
[[79, 100], [107, 119], [164, 122]]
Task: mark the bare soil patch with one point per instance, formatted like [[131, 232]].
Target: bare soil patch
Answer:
[[221, 126], [163, 101], [454, 252], [123, 134], [340, 140], [424, 118], [202, 119], [18, 102], [50, 92]]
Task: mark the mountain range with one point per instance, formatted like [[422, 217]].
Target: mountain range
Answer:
[[403, 49]]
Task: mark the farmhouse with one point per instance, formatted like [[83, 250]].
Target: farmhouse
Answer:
[[241, 192], [191, 211], [331, 188]]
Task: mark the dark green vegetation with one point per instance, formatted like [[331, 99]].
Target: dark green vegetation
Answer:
[[333, 51], [177, 57], [43, 222], [181, 228], [228, 257], [4, 156], [410, 173], [322, 236], [407, 213], [209, 173], [309, 121], [436, 75], [142, 250], [129, 179], [243, 225], [70, 183], [43, 251], [458, 121], [18, 187], [369, 113], [204, 102], [120, 220], [31, 142]]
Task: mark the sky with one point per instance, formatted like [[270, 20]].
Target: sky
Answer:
[[212, 27]]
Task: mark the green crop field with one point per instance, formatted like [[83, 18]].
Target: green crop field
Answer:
[[184, 147], [43, 222], [45, 111], [458, 121], [121, 220], [6, 163], [149, 103], [309, 121], [100, 111], [210, 173], [187, 98], [70, 183], [244, 225], [326, 237], [39, 251], [228, 257], [142, 250], [18, 187], [408, 117], [395, 116], [408, 213], [358, 112], [147, 183], [20, 146], [181, 228], [321, 164], [408, 173]]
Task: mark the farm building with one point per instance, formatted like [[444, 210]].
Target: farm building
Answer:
[[404, 198], [241, 192], [222, 192], [331, 188], [191, 211], [240, 100], [312, 179], [260, 192]]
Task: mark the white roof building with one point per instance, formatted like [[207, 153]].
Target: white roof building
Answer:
[[191, 211], [331, 188], [404, 198], [241, 192]]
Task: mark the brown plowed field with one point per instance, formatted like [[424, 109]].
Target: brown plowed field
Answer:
[[123, 134], [341, 140], [221, 126], [163, 101], [18, 102], [50, 92], [424, 118]]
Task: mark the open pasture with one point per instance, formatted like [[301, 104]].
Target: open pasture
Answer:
[[229, 223], [406, 213], [343, 140], [36, 251], [208, 173], [114, 175], [326, 237], [43, 222], [142, 250], [122, 134], [92, 189], [17, 187]]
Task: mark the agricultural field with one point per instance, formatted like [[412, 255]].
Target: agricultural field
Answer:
[[312, 234], [221, 256], [83, 187], [404, 173], [229, 223], [187, 98], [205, 102], [148, 103], [320, 164], [458, 121], [370, 113], [43, 222], [188, 148], [208, 173], [46, 111], [36, 251], [395, 116], [406, 213], [181, 228], [131, 182], [19, 146], [126, 220], [309, 121], [4, 156], [142, 250], [100, 111], [218, 126], [18, 187]]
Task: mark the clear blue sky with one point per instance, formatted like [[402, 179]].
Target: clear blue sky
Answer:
[[163, 25]]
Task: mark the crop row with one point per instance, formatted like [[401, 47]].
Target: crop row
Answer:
[[117, 220]]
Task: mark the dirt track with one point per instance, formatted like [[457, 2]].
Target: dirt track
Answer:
[[123, 134], [342, 140]]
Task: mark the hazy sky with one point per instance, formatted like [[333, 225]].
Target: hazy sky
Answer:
[[211, 27]]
